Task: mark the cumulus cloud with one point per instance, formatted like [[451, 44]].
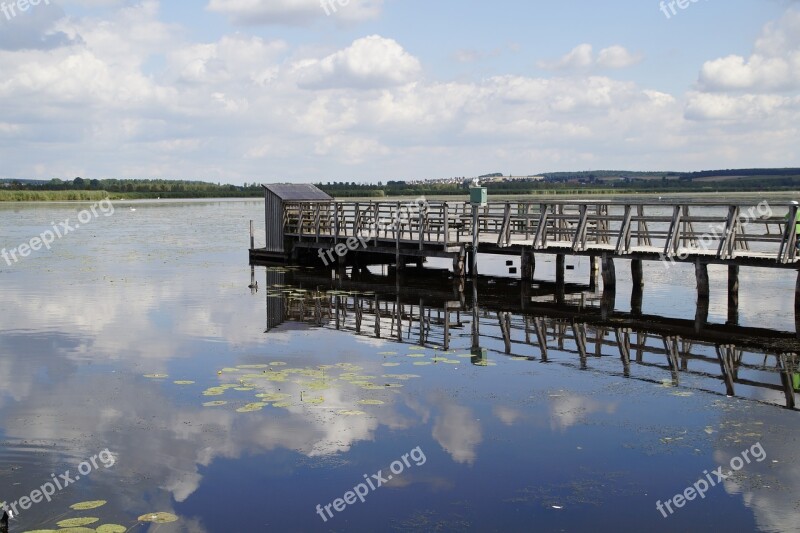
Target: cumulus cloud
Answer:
[[773, 66], [293, 12], [369, 63], [582, 57]]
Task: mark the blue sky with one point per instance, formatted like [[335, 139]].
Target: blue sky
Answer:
[[255, 90]]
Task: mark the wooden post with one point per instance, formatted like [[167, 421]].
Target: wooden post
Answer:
[[560, 269], [475, 240], [701, 273], [528, 265], [733, 295], [594, 268], [252, 237], [636, 272], [609, 273], [797, 305]]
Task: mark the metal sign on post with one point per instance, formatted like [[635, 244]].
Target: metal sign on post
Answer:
[[478, 199]]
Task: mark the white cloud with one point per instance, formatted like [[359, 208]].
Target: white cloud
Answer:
[[773, 66], [369, 63], [294, 12], [582, 57]]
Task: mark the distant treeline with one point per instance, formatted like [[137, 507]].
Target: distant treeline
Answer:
[[585, 182], [139, 188]]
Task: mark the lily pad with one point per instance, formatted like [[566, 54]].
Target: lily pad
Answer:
[[250, 407], [214, 404], [347, 412], [252, 366], [371, 402], [272, 396], [158, 518], [282, 404], [85, 506], [422, 363], [156, 376], [111, 528], [391, 364], [183, 382], [77, 522]]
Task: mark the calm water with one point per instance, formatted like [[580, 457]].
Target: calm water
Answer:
[[483, 433]]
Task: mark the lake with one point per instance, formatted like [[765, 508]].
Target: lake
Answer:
[[145, 376]]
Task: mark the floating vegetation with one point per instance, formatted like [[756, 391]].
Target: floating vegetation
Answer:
[[347, 412], [158, 518], [214, 391], [185, 382], [282, 404], [422, 363], [387, 353], [229, 370], [278, 363], [272, 396], [156, 376], [315, 401], [77, 522], [250, 407], [391, 364], [244, 389], [252, 367], [215, 404], [403, 377], [371, 402], [111, 528], [85, 506], [682, 394], [416, 355]]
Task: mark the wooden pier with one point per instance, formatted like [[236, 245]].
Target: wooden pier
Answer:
[[357, 234]]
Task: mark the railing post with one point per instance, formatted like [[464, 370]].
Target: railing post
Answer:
[[335, 222], [252, 237], [446, 215]]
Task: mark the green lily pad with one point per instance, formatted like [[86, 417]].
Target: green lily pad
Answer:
[[422, 363], [282, 404], [156, 376], [250, 407], [85, 506], [214, 404], [158, 518], [349, 412], [183, 382], [272, 396], [77, 522], [252, 366], [391, 364], [111, 528], [371, 402]]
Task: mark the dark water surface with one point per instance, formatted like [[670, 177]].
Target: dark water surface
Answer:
[[485, 430]]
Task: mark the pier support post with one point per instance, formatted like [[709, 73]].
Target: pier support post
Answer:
[[609, 273], [528, 265], [637, 292], [459, 264], [733, 295], [797, 305], [703, 286], [594, 268], [560, 262]]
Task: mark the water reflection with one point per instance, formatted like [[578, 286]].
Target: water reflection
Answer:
[[531, 321]]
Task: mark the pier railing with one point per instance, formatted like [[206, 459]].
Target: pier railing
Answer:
[[712, 231]]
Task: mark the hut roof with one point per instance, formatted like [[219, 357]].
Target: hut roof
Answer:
[[297, 191]]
